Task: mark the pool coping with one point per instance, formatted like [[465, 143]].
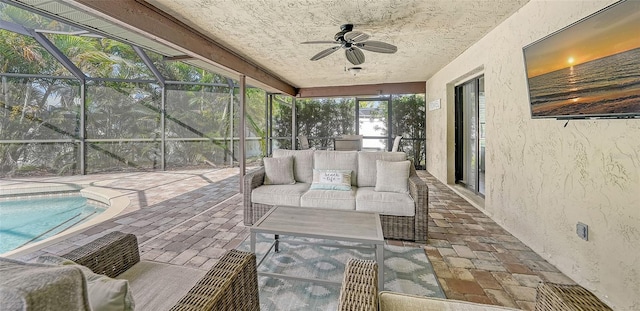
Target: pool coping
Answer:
[[116, 202]]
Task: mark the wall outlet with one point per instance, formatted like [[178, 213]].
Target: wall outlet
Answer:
[[583, 231]]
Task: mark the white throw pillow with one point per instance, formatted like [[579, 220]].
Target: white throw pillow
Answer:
[[278, 171], [302, 163], [105, 293], [392, 176], [331, 180]]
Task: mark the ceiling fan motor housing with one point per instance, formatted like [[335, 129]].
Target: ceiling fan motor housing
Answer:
[[343, 30], [346, 27]]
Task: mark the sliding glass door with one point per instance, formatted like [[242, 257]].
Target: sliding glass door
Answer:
[[470, 135]]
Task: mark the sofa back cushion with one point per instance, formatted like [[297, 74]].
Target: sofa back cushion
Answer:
[[392, 176], [278, 171], [337, 160], [302, 163], [367, 165]]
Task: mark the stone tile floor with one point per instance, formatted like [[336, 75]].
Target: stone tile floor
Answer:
[[477, 260], [192, 217]]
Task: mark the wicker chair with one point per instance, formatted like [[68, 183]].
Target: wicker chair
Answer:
[[232, 284], [360, 292], [359, 286]]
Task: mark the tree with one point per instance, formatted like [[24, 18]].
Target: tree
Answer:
[[408, 120], [281, 126], [256, 121], [322, 119], [49, 108]]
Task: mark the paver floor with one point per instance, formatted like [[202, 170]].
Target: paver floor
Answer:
[[477, 260], [192, 217]]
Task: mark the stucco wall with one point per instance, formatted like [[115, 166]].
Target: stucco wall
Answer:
[[542, 178]]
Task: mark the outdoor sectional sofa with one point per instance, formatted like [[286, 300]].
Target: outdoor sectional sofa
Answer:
[[403, 213]]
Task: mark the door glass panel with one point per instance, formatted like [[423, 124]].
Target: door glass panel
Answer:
[[481, 131], [470, 137], [373, 123]]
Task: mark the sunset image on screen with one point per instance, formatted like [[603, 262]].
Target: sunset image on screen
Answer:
[[589, 68]]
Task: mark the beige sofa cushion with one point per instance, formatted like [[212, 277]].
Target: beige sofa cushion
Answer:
[[367, 165], [336, 199], [392, 176], [395, 302], [279, 194], [159, 286], [337, 160], [278, 171], [386, 203], [302, 163]]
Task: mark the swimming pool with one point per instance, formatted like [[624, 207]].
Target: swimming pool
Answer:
[[24, 221]]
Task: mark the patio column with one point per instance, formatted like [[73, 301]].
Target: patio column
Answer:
[[241, 132], [294, 128]]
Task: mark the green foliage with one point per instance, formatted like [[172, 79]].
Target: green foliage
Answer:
[[281, 125], [322, 119], [49, 108], [408, 120]]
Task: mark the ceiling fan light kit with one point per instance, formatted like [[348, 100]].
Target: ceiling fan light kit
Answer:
[[353, 42], [354, 70]]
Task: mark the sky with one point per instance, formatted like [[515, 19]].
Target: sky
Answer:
[[612, 31]]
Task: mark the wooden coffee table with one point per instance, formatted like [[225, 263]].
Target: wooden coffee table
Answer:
[[328, 224]]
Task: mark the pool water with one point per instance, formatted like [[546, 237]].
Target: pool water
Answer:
[[23, 221]]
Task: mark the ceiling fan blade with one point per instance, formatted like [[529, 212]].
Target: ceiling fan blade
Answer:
[[319, 42], [355, 36], [325, 53], [377, 46], [354, 55]]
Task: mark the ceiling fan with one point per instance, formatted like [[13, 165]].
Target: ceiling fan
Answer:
[[352, 42]]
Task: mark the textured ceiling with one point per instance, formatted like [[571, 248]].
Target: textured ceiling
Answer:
[[428, 33]]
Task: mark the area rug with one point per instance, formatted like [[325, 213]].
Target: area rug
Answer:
[[407, 270]]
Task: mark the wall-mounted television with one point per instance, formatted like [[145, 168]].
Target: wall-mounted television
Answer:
[[589, 69]]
